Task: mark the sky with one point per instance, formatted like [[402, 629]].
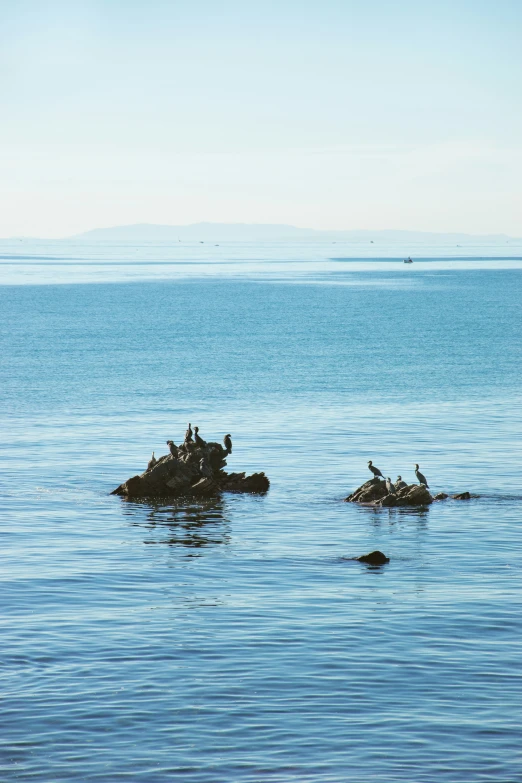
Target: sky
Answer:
[[327, 114]]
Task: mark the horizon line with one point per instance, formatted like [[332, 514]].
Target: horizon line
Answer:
[[253, 226]]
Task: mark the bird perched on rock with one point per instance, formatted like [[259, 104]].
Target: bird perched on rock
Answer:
[[376, 472], [152, 461], [172, 448], [421, 479], [390, 487], [228, 443], [188, 434], [198, 439], [204, 468], [399, 484]]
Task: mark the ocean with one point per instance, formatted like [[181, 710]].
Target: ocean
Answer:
[[234, 639]]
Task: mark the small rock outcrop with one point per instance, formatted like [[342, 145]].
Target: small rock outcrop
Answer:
[[191, 470], [441, 496], [374, 558], [374, 493]]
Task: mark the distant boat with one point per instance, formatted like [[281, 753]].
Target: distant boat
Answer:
[[408, 260]]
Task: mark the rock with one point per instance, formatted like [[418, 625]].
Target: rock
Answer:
[[414, 495], [374, 489], [257, 483], [374, 493], [374, 558], [178, 483], [462, 496], [196, 471], [441, 496], [130, 487], [389, 501], [205, 486]]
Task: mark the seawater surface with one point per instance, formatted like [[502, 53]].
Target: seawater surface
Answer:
[[234, 639]]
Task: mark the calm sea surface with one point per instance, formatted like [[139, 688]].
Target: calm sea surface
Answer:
[[234, 639]]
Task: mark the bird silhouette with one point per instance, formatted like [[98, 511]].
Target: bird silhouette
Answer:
[[420, 477], [172, 448], [376, 472], [198, 439]]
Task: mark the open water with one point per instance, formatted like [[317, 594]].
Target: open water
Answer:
[[234, 639]]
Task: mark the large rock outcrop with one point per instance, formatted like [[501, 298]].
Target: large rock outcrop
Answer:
[[374, 493], [194, 471]]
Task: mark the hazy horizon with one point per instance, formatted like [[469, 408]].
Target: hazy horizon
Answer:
[[255, 232], [335, 116]]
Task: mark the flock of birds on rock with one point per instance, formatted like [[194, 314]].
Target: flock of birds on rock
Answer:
[[399, 484], [193, 440]]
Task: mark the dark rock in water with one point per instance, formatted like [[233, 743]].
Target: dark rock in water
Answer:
[[414, 495], [239, 482], [462, 496], [374, 558], [195, 471], [441, 496], [374, 493], [371, 490]]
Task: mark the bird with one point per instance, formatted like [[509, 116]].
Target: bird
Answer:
[[204, 468], [188, 434], [390, 487], [399, 484], [198, 439], [376, 472], [420, 477], [228, 443], [152, 461], [172, 448]]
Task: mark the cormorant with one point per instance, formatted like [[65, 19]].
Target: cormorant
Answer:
[[376, 472], [420, 477], [152, 461], [204, 468], [172, 448], [188, 434], [390, 487], [399, 484], [228, 443], [198, 439]]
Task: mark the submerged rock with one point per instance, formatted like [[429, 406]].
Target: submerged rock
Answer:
[[374, 493], [441, 496], [374, 558], [196, 470], [462, 496]]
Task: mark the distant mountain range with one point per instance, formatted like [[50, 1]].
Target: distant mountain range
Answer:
[[246, 232]]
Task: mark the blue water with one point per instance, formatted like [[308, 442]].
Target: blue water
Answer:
[[234, 639]]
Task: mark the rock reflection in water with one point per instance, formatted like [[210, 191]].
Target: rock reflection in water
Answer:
[[189, 523]]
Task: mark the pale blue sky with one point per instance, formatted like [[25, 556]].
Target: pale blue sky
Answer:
[[323, 114]]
